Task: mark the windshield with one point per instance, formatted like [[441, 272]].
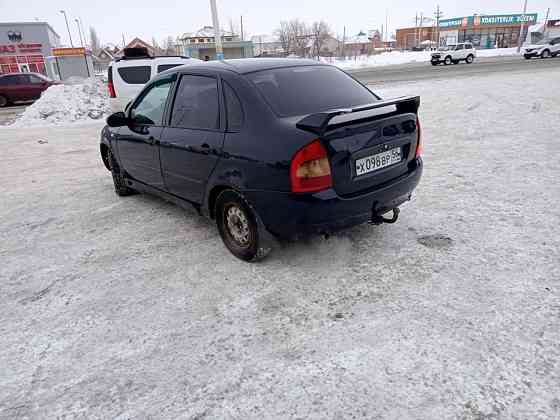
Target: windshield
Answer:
[[448, 48], [306, 90]]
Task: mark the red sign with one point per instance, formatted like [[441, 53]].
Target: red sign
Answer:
[[8, 60], [21, 48], [68, 51], [7, 49]]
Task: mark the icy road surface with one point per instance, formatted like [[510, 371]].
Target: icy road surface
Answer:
[[132, 308]]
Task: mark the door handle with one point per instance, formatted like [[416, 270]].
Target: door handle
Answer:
[[203, 149], [151, 140]]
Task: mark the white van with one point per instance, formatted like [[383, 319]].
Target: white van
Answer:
[[128, 75]]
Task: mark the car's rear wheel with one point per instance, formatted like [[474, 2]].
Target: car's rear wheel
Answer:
[[238, 227], [119, 180], [3, 101], [527, 57], [470, 59], [447, 61], [455, 61], [545, 54]]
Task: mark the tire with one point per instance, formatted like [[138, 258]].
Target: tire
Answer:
[[527, 57], [3, 101], [447, 61], [238, 227], [455, 61], [545, 54], [435, 63], [119, 181], [470, 59]]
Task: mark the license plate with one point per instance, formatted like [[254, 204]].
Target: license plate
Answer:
[[378, 161]]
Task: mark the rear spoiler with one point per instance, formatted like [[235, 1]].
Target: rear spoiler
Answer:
[[319, 123]]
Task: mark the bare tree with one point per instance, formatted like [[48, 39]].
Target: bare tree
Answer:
[[320, 32], [168, 46], [155, 45], [300, 36], [233, 27], [95, 44], [284, 37]]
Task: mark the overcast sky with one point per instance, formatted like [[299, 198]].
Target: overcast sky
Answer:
[[161, 18]]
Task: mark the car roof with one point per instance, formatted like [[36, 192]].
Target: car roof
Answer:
[[248, 65], [22, 74]]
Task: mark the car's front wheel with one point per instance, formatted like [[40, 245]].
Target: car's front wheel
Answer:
[[470, 59], [118, 178], [3, 101], [447, 61], [238, 227], [527, 57], [545, 54]]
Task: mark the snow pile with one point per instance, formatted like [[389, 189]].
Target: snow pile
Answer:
[[404, 57], [77, 101]]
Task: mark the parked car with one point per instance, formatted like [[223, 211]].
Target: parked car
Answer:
[[127, 76], [453, 54], [20, 87], [267, 148], [544, 49]]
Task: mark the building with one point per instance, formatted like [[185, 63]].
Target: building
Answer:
[[25, 46], [201, 44], [415, 37], [138, 43], [485, 31], [103, 59]]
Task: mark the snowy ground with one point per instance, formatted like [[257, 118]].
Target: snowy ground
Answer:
[[132, 308], [399, 57]]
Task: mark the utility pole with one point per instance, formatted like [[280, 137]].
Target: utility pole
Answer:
[[217, 32], [386, 24], [343, 42], [421, 25], [438, 16], [416, 30], [80, 32], [68, 27], [546, 22], [519, 42]]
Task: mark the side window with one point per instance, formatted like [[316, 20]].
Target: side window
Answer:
[[233, 108], [138, 75], [163, 67], [9, 80], [196, 103], [459, 47], [35, 80], [151, 105], [468, 47]]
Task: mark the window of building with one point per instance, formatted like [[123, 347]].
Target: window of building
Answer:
[[196, 103], [201, 40]]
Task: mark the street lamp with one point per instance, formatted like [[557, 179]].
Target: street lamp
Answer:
[[80, 32], [67, 27]]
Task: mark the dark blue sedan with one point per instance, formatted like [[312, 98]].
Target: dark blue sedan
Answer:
[[268, 148]]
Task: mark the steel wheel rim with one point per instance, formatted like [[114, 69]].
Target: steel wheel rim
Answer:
[[237, 225]]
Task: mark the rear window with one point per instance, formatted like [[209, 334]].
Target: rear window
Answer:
[[138, 75], [306, 90], [164, 67], [9, 80]]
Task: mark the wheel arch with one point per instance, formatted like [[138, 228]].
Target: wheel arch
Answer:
[[213, 195], [104, 150]]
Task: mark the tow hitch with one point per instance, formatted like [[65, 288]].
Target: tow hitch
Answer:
[[379, 220]]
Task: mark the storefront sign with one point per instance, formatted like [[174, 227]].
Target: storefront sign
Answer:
[[58, 52], [493, 20], [20, 48]]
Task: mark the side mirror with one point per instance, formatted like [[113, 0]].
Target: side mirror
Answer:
[[118, 119]]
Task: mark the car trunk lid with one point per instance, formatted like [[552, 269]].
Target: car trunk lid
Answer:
[[368, 146]]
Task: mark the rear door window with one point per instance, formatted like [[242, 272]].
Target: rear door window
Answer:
[[9, 80], [137, 75], [233, 108], [306, 90], [196, 103]]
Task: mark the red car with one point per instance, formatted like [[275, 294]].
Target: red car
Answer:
[[15, 87]]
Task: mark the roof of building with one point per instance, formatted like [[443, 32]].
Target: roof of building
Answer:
[[249, 65], [30, 23], [205, 32]]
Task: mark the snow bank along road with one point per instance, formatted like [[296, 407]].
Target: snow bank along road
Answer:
[[132, 308]]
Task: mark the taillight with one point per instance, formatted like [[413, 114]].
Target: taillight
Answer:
[[310, 170], [419, 146], [112, 93]]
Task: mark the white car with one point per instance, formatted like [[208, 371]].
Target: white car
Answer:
[[453, 54], [544, 49], [128, 75]]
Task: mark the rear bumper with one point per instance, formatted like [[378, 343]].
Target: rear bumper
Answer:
[[290, 215]]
